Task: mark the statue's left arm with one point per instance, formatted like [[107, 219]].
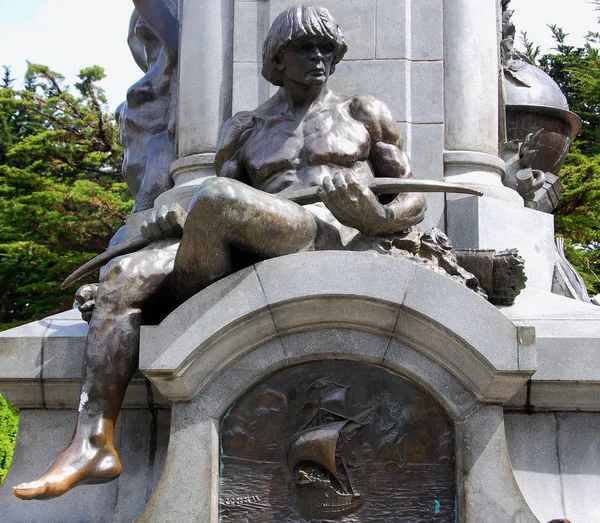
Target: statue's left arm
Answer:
[[356, 206], [235, 132], [163, 22]]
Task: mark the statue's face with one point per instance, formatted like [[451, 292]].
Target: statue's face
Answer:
[[308, 61]]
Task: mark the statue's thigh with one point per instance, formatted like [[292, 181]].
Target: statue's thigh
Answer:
[[276, 226], [226, 211]]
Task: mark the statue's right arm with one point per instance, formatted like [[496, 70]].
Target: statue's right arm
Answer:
[[164, 24], [234, 134]]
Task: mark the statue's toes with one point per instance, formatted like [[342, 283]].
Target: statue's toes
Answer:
[[32, 490]]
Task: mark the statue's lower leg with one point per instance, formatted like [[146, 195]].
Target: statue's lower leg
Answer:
[[111, 361]]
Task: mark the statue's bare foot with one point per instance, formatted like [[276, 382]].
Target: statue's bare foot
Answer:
[[76, 465]]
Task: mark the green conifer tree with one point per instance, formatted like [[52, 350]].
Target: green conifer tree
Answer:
[[9, 422], [61, 193], [577, 72]]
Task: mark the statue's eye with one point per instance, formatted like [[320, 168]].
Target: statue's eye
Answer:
[[304, 47]]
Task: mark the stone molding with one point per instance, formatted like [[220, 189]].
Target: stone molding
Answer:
[[361, 292], [339, 305], [568, 347], [488, 161], [188, 173], [481, 171], [41, 362], [190, 164]]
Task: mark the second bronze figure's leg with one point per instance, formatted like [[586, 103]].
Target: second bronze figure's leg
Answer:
[[110, 361]]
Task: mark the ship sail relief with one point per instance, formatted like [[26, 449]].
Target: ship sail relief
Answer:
[[316, 454]]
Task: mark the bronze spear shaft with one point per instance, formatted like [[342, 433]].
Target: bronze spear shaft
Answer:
[[303, 196]]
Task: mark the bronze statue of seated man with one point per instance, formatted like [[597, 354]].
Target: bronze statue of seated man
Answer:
[[304, 136]]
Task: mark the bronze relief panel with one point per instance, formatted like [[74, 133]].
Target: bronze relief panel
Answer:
[[337, 441]]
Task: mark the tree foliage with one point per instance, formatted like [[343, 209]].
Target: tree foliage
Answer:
[[578, 215], [532, 51], [61, 194], [9, 423]]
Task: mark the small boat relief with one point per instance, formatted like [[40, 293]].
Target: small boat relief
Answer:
[[316, 456]]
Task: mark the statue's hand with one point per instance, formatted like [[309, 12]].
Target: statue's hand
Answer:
[[354, 205], [165, 222], [85, 300]]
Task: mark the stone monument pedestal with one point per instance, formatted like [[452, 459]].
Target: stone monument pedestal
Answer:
[[359, 307], [524, 440], [519, 385]]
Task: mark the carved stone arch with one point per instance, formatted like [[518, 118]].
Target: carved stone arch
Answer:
[[353, 306]]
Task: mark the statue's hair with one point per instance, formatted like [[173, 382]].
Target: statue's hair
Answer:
[[297, 23]]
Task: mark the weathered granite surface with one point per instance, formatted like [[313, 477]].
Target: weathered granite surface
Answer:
[[347, 323], [339, 305], [556, 460]]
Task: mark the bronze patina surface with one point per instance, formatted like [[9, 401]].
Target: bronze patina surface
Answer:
[[304, 136], [303, 196], [337, 441], [147, 117]]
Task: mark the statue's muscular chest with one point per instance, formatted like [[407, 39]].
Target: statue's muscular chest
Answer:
[[281, 144]]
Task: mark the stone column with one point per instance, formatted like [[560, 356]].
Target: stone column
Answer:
[[498, 220], [471, 76], [205, 87]]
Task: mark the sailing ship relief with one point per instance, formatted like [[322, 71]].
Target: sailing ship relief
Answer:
[[336, 441], [316, 456]]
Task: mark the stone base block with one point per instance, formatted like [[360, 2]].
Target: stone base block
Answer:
[[142, 437], [556, 461], [568, 350], [487, 223]]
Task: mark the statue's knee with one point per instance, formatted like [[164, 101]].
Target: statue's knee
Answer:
[[214, 193], [116, 271], [121, 286]]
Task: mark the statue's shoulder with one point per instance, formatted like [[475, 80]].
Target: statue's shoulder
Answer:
[[369, 108], [236, 130], [238, 123], [376, 117]]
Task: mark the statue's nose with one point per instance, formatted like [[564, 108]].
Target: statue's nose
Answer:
[[316, 54]]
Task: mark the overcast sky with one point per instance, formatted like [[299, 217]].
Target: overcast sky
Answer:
[[68, 35], [576, 17]]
